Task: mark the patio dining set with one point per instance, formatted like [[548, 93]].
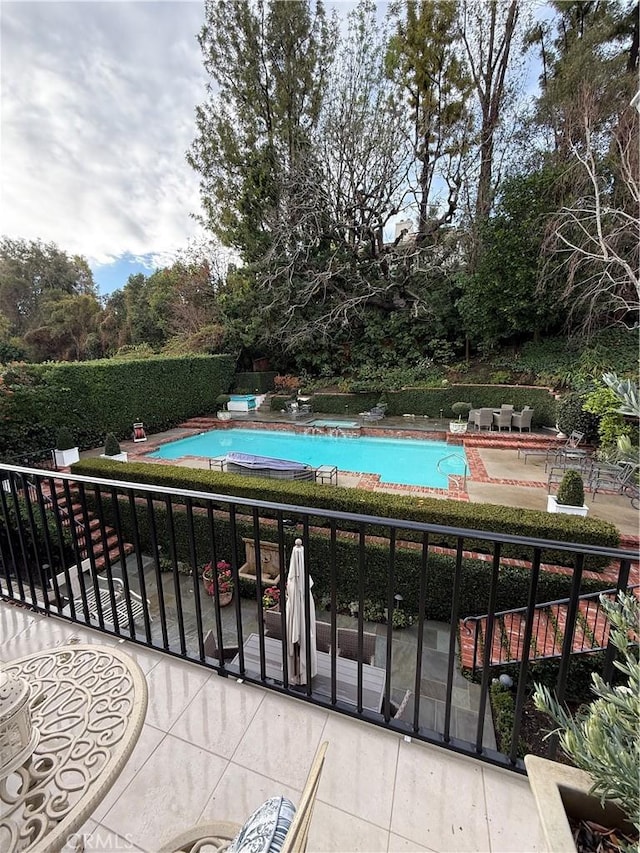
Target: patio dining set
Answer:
[[503, 418]]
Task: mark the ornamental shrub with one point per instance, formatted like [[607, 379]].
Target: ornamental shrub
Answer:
[[487, 517], [111, 446], [64, 440], [603, 737], [571, 490], [572, 416], [461, 409]]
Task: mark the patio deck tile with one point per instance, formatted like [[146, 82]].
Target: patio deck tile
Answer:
[[432, 800], [364, 788]]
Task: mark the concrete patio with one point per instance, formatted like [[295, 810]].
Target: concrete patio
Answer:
[[213, 749]]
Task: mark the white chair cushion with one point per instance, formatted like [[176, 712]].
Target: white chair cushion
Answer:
[[265, 830]]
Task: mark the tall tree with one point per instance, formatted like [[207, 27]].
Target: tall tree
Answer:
[[33, 273], [488, 31], [425, 58], [268, 64]]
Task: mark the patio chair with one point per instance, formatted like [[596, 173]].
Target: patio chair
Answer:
[[622, 481], [483, 419], [375, 414], [568, 451], [502, 420], [211, 649], [323, 637], [272, 620], [275, 818], [522, 419], [292, 408], [348, 645], [583, 466]]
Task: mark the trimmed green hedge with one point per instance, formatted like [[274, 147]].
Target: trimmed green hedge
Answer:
[[473, 516], [429, 401], [93, 398], [258, 381], [474, 590]]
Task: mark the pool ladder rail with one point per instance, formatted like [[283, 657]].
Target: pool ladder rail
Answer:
[[455, 456]]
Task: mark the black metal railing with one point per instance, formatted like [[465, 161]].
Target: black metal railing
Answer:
[[129, 566], [506, 641]]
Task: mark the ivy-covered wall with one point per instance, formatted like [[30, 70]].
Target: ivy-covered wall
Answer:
[[96, 397]]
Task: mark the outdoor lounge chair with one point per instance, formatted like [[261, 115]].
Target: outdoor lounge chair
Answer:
[[271, 820], [622, 481], [376, 413], [292, 407], [569, 450], [522, 419], [348, 645], [550, 453]]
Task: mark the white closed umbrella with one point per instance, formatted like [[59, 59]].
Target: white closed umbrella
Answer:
[[296, 633]]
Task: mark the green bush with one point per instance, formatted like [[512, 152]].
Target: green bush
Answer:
[[429, 401], [461, 409], [503, 708], [571, 416], [513, 583], [111, 446], [64, 440], [571, 490], [456, 514], [95, 397]]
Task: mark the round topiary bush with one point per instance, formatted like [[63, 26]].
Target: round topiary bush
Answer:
[[571, 490], [64, 439], [571, 416], [111, 446], [461, 409]]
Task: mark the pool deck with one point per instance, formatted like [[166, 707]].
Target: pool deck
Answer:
[[497, 474]]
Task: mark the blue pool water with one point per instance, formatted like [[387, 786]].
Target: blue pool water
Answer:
[[407, 461]]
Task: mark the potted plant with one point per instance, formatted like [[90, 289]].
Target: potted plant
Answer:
[[570, 497], [602, 740], [221, 402], [66, 451], [459, 409], [224, 578], [271, 598], [112, 449]]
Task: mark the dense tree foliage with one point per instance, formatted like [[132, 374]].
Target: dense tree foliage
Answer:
[[388, 193]]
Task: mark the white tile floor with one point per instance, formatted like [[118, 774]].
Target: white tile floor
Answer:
[[213, 749]]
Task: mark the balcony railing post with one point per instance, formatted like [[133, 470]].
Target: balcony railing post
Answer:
[[610, 652]]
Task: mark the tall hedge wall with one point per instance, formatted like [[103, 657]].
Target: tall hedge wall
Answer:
[[247, 383], [96, 397], [474, 593], [473, 516], [429, 401]]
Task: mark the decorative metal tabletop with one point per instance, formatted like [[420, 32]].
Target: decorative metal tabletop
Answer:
[[88, 704]]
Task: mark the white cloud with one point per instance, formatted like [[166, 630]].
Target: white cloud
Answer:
[[97, 112]]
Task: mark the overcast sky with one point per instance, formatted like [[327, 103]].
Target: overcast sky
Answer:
[[97, 112]]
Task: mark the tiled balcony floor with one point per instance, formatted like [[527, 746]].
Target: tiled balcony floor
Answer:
[[213, 749]]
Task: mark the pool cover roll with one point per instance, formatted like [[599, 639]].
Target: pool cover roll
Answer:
[[248, 460]]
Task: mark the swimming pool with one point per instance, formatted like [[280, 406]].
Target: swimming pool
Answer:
[[408, 461]]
